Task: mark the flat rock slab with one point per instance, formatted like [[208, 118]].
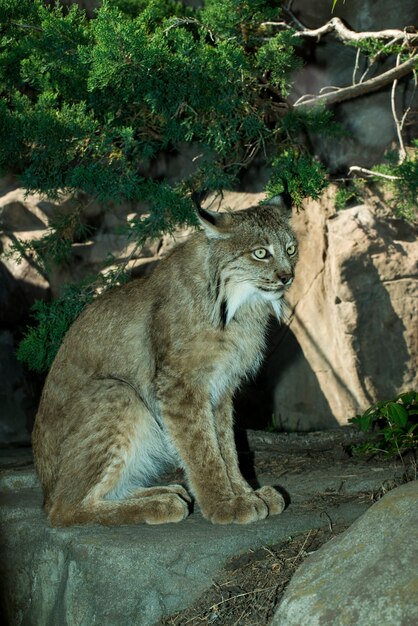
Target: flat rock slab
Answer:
[[367, 576], [87, 576]]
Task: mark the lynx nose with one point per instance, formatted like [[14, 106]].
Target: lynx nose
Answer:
[[286, 278]]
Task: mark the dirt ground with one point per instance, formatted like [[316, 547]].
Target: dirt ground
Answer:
[[249, 589]]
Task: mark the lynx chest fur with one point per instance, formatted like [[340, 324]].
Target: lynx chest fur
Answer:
[[146, 377]]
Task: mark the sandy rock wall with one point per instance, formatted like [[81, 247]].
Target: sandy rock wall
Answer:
[[352, 337], [25, 217], [353, 334]]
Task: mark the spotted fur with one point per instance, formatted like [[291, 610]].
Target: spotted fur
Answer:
[[146, 375]]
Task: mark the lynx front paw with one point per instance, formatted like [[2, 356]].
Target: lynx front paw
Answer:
[[164, 509], [242, 509], [274, 500]]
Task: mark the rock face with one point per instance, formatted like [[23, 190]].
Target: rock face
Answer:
[[25, 217], [98, 576], [20, 286], [353, 337], [365, 577], [18, 395]]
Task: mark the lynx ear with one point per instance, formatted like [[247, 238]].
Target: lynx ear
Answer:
[[216, 225], [282, 201]]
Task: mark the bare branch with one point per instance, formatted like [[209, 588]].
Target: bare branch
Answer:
[[26, 26], [376, 57], [356, 66], [408, 109], [354, 91], [281, 24], [181, 21], [289, 11], [354, 169], [402, 151], [343, 33]]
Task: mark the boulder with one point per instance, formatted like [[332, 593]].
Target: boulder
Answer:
[[136, 574], [15, 216], [352, 338], [365, 577], [26, 217]]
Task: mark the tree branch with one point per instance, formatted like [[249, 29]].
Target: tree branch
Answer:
[[402, 151], [345, 34], [362, 170], [354, 91], [27, 26]]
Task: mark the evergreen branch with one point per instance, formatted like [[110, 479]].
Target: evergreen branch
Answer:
[[23, 250], [122, 267], [27, 26], [360, 89], [182, 21]]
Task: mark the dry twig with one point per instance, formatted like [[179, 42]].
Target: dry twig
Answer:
[[360, 89], [344, 34], [402, 151], [354, 169]]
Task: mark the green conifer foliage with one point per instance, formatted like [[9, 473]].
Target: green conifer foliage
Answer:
[[87, 105]]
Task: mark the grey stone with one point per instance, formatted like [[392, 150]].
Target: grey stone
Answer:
[[365, 577], [136, 574], [15, 216], [125, 575]]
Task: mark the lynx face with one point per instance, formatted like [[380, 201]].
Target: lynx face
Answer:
[[256, 253]]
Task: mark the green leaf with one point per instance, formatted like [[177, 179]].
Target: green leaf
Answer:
[[363, 421], [410, 397], [397, 413]]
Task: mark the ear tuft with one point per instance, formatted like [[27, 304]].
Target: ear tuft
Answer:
[[283, 200], [207, 216]]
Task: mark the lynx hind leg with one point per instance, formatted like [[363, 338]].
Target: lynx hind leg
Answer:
[[108, 461]]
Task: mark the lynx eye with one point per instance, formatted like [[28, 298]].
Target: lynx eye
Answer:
[[261, 253], [291, 249]]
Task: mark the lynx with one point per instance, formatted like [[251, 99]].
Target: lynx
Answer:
[[145, 379]]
